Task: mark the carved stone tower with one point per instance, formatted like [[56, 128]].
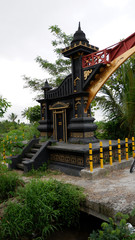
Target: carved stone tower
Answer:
[[81, 126], [63, 108]]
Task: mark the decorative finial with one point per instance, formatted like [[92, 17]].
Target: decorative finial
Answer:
[[79, 27]]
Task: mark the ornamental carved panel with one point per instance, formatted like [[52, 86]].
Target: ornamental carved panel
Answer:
[[67, 158]]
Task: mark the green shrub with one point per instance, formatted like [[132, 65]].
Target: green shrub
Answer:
[[29, 130], [43, 206], [111, 130], [11, 144], [116, 229], [41, 171], [17, 221], [8, 183]]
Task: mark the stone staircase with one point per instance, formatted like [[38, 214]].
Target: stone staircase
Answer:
[[32, 156]]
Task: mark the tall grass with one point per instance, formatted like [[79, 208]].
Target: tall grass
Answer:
[[42, 207], [9, 181]]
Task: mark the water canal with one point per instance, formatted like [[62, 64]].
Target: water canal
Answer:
[[88, 223]]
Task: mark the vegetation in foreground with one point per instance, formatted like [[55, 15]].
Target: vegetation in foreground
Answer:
[[41, 208], [9, 182], [115, 229]]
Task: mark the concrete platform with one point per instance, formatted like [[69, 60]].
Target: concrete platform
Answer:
[[84, 147], [72, 158]]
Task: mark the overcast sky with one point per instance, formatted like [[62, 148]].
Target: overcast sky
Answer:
[[24, 35]]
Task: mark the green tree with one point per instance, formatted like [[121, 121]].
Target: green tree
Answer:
[[12, 117], [57, 70], [115, 229], [5, 126], [117, 100], [33, 114], [4, 104]]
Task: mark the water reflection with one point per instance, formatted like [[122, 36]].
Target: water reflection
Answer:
[[87, 225]]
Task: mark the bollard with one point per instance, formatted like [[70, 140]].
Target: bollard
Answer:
[[119, 151], [133, 146], [110, 152], [126, 147], [90, 157], [101, 154]]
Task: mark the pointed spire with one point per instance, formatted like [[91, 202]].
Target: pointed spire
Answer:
[[46, 86], [79, 36], [79, 27]]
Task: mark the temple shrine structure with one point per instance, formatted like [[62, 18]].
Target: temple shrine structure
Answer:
[[63, 108], [66, 121]]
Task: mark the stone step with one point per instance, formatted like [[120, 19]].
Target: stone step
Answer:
[[38, 145], [34, 150], [26, 159], [29, 155], [20, 166]]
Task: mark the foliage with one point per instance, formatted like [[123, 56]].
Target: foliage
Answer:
[[38, 173], [118, 98], [8, 183], [30, 130], [42, 207], [6, 126], [100, 133], [33, 114], [4, 104], [11, 144], [62, 67], [57, 70], [12, 117], [116, 229], [110, 130]]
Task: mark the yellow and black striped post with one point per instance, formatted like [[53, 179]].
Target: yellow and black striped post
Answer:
[[126, 147], [110, 152], [133, 146], [90, 157], [119, 151], [101, 154]]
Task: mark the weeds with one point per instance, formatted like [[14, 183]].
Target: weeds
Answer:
[[9, 181], [41, 171], [42, 207]]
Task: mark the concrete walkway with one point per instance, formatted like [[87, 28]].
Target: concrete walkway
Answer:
[[108, 193]]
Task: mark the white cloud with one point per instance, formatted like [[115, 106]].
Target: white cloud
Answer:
[[116, 3], [12, 83], [24, 35]]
